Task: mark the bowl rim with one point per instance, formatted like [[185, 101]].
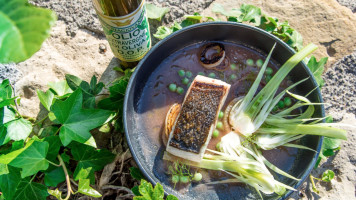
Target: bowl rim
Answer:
[[188, 28]]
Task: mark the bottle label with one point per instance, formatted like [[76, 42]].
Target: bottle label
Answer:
[[129, 35]]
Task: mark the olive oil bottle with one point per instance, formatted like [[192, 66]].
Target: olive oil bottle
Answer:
[[126, 28]]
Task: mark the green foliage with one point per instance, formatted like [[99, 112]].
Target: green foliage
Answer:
[[23, 29], [32, 159], [88, 156], [317, 68], [63, 145], [54, 177], [84, 188], [155, 12], [77, 122], [116, 99], [327, 176], [30, 190], [136, 173], [245, 14], [148, 192]]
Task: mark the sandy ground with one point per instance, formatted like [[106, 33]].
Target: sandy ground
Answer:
[[74, 48]]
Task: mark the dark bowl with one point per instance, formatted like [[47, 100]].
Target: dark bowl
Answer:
[[148, 153]]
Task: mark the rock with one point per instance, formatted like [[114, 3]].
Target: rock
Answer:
[[61, 54], [77, 14], [323, 22], [348, 3], [339, 91], [9, 71]]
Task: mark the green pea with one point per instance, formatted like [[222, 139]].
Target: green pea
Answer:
[[188, 74], [175, 179], [221, 114], [218, 146], [181, 73], [268, 78], [201, 73], [197, 177], [212, 75], [269, 71], [172, 87], [259, 63], [249, 62], [281, 104], [219, 125], [184, 179], [215, 133], [275, 108], [233, 66], [180, 90], [185, 81], [287, 101], [233, 77]]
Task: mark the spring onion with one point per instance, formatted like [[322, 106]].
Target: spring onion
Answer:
[[248, 115]]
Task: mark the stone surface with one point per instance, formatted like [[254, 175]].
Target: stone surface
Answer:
[[61, 54], [324, 22], [339, 91], [348, 3], [9, 71]]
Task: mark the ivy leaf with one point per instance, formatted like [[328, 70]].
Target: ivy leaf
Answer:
[[7, 158], [9, 182], [5, 89], [135, 190], [32, 159], [65, 157], [54, 177], [146, 189], [218, 8], [4, 169], [89, 91], [60, 88], [87, 157], [85, 173], [28, 190], [171, 197], [155, 12], [296, 40], [56, 193], [77, 122], [136, 173], [317, 68], [85, 188], [23, 29], [327, 176], [147, 192], [162, 32], [46, 98], [18, 129], [158, 192], [6, 115], [117, 93]]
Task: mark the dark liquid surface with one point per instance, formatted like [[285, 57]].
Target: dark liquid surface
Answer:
[[156, 100]]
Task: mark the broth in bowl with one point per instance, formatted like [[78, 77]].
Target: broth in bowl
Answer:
[[235, 64]]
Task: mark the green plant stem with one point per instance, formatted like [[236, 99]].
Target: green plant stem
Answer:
[[69, 188], [40, 121], [52, 163], [313, 184], [33, 177]]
